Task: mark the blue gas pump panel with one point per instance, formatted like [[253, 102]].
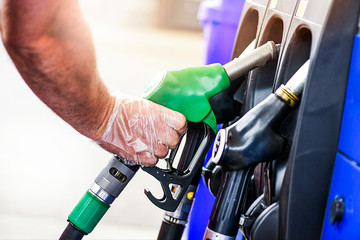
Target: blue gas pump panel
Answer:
[[345, 186], [349, 142], [342, 218]]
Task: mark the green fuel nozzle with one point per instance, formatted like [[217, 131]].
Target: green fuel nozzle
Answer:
[[187, 91]]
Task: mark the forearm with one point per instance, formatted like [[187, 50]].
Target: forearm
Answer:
[[52, 48]]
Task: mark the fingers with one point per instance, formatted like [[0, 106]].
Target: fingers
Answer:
[[146, 159], [182, 130], [173, 126], [174, 119], [161, 150], [168, 136]]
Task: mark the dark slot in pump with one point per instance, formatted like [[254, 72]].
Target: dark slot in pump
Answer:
[[260, 82]]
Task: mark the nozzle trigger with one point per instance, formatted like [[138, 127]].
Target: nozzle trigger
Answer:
[[176, 181], [171, 197]]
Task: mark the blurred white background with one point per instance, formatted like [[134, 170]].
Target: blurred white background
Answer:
[[46, 166]]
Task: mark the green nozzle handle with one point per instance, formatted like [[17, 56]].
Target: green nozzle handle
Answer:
[[188, 91]]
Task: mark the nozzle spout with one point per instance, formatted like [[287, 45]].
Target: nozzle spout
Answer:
[[297, 82], [248, 61]]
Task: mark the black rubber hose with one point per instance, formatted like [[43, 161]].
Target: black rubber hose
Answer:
[[170, 231], [224, 218], [72, 233]]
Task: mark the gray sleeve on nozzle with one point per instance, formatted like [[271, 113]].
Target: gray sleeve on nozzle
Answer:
[[109, 183], [255, 58], [298, 80]]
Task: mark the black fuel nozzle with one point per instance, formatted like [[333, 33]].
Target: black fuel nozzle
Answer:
[[242, 145], [251, 139], [254, 137]]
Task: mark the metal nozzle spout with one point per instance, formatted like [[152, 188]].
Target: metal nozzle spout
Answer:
[[297, 82], [277, 49], [292, 91], [256, 58]]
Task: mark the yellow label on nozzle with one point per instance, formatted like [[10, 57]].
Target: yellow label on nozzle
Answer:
[[287, 95]]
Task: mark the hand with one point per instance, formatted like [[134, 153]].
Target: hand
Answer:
[[142, 131]]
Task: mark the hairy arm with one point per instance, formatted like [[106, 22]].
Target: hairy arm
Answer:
[[51, 46]]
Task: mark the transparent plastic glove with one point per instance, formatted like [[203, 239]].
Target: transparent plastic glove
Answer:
[[142, 131]]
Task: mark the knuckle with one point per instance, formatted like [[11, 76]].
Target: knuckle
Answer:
[[146, 159], [163, 153], [149, 161], [181, 123], [173, 141]]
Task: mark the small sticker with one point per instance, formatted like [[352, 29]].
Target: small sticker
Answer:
[[175, 190], [190, 195], [302, 8], [273, 3]]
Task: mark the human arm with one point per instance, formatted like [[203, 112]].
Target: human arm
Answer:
[[51, 46]]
